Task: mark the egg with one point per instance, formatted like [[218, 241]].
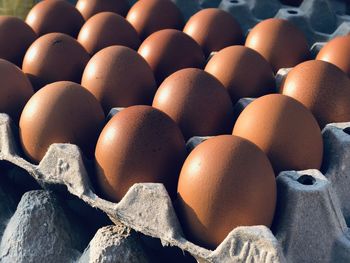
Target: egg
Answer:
[[61, 112], [88, 8], [149, 16], [285, 130], [139, 144], [337, 52], [51, 16], [243, 72], [214, 29], [107, 29], [170, 50], [119, 77], [16, 37], [323, 88], [197, 102], [54, 57], [281, 43], [219, 189], [15, 89]]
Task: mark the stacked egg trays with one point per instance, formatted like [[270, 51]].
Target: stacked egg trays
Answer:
[[312, 212]]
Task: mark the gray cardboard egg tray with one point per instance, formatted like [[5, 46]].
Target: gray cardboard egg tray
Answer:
[[309, 225]]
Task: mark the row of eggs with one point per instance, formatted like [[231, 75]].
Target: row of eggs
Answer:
[[226, 181]]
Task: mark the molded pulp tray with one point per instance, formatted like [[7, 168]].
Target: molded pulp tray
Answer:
[[54, 225]]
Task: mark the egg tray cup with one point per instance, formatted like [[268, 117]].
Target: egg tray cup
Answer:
[[310, 220]]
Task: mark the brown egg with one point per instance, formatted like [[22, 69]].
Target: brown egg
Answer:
[[337, 52], [149, 16], [107, 29], [214, 29], [285, 130], [54, 57], [243, 72], [88, 8], [15, 89], [51, 16], [197, 102], [139, 144], [170, 50], [323, 88], [219, 189], [61, 112], [281, 43], [16, 36], [119, 77]]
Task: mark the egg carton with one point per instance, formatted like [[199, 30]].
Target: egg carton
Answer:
[[309, 225], [43, 229], [320, 20]]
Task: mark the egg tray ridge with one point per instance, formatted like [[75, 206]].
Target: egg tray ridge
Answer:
[[309, 226]]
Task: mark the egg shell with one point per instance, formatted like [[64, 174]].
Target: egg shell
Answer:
[[15, 89], [61, 112], [88, 8], [149, 16], [139, 144], [170, 50], [323, 88], [281, 43], [107, 29], [54, 57], [214, 29], [16, 37], [337, 52], [285, 130], [51, 16], [119, 77], [197, 102], [243, 72], [224, 183]]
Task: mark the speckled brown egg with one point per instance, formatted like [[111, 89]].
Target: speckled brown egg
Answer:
[[15, 89], [149, 16], [88, 8], [281, 43], [139, 144], [107, 29], [170, 50], [225, 182], [197, 102], [54, 57], [337, 52], [285, 130], [243, 72], [16, 37], [51, 16], [323, 88], [119, 77], [61, 112], [214, 29]]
